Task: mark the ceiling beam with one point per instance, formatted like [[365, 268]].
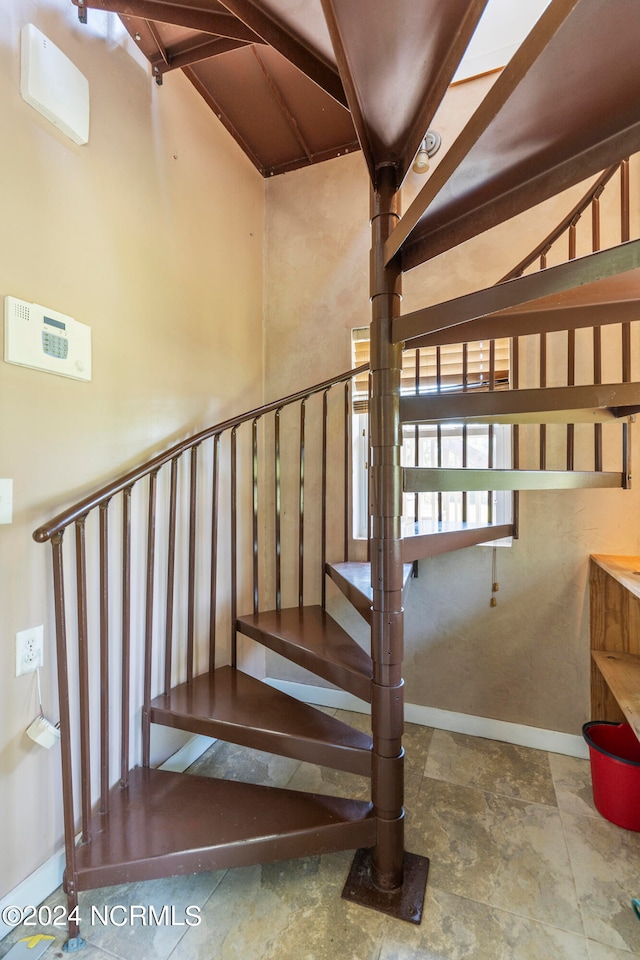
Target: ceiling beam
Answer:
[[196, 15], [344, 69], [183, 55], [290, 46], [566, 276]]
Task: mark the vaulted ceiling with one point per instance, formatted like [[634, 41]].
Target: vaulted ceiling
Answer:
[[299, 81]]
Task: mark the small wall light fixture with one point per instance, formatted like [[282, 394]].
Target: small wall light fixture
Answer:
[[429, 146]]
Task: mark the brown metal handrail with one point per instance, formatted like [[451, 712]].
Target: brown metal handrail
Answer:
[[184, 570], [571, 219], [58, 523]]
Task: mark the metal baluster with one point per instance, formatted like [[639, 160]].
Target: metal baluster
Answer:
[[191, 599], [83, 678], [571, 377], [597, 333], [126, 634], [323, 523], [104, 657], [571, 355], [626, 455], [303, 410], [148, 628], [491, 431], [515, 434], [347, 472], [171, 565], [626, 327], [416, 457], [213, 590], [369, 520], [254, 526], [278, 544], [625, 209], [234, 546], [65, 732], [439, 427], [542, 430], [465, 438]]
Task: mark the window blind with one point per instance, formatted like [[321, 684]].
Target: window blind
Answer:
[[433, 369]]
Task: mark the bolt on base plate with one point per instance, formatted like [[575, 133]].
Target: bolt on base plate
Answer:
[[405, 903]]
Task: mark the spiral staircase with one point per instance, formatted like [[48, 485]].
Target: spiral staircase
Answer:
[[195, 547]]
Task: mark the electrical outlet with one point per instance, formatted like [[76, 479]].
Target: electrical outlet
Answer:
[[29, 649]]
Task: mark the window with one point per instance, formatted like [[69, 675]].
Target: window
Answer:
[[474, 366]]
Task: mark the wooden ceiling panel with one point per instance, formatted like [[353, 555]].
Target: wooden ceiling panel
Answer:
[[564, 107], [305, 18], [254, 94]]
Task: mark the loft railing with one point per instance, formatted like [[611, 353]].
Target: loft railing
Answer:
[[162, 558], [533, 360], [566, 232], [591, 201]]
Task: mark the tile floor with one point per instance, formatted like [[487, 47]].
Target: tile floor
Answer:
[[522, 868]]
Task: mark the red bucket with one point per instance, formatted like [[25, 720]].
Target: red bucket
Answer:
[[614, 751]]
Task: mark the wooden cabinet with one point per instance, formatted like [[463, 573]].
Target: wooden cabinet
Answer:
[[615, 639]]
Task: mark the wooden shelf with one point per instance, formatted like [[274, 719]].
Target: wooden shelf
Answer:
[[621, 672], [615, 638], [625, 570]]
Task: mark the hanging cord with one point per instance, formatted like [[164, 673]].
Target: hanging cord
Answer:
[[495, 586], [39, 691]]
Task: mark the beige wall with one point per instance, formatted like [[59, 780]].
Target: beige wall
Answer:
[[527, 659], [153, 235]]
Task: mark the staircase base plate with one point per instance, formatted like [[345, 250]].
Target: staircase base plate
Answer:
[[405, 903]]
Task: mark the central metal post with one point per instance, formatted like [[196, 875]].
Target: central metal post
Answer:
[[387, 630], [386, 877]]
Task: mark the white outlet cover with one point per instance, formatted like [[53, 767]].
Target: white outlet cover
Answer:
[[34, 636]]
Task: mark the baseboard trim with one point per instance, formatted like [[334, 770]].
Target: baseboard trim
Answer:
[[188, 753], [48, 877], [35, 888], [517, 733]]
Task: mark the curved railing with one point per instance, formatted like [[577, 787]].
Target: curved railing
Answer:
[[162, 557], [568, 225]]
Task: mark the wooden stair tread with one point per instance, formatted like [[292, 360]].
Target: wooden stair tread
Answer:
[[430, 539], [234, 706], [354, 580], [311, 638], [165, 824]]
